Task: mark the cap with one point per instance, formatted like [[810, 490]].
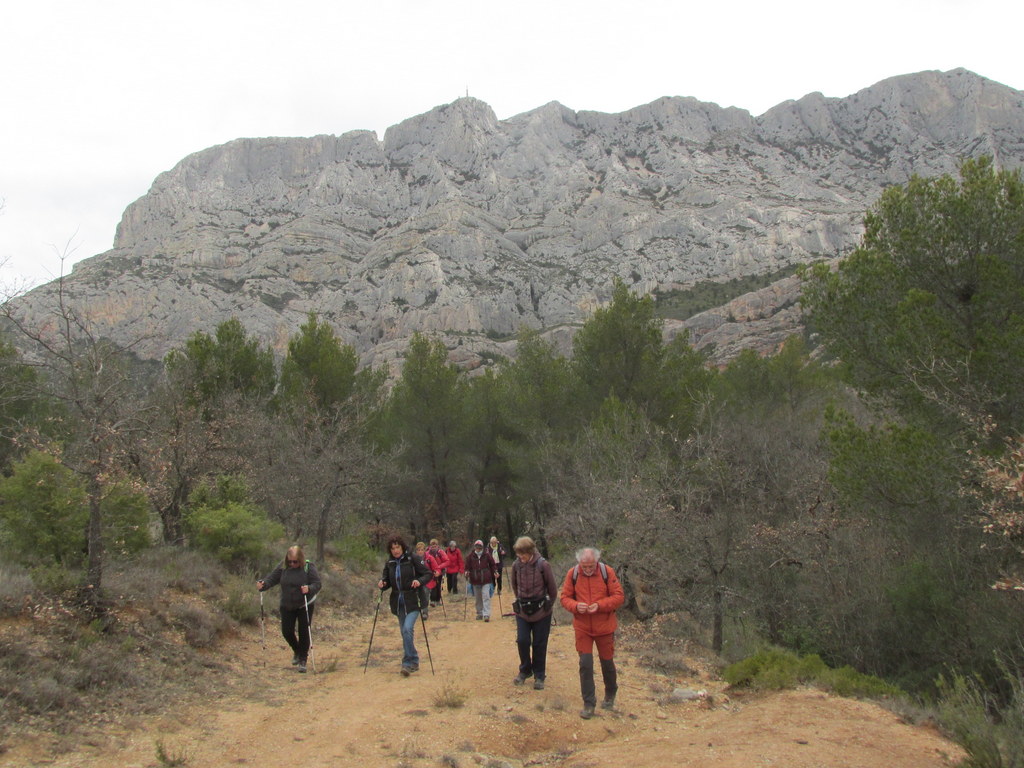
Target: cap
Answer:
[[478, 542]]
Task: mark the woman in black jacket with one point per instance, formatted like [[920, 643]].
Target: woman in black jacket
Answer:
[[403, 574], [300, 584]]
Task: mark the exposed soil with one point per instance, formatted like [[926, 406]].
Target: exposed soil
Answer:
[[340, 715]]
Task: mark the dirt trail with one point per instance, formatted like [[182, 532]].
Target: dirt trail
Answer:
[[341, 716]]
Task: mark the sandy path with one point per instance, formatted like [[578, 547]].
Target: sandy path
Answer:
[[341, 716]]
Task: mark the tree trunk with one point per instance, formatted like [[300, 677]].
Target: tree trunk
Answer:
[[717, 621], [94, 543]]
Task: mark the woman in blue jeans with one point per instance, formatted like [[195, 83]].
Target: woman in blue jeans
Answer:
[[535, 589], [404, 574]]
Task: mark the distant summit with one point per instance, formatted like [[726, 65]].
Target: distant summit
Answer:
[[473, 228]]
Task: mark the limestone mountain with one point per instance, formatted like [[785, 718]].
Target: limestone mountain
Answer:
[[472, 227]]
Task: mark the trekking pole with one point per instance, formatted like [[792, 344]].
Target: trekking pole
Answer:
[[427, 638], [380, 594], [443, 610], [263, 629], [501, 611], [309, 632], [465, 604]]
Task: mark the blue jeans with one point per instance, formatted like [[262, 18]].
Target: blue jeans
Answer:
[[533, 636], [407, 623]]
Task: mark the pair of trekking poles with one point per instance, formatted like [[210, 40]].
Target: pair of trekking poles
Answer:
[[423, 622], [309, 631]]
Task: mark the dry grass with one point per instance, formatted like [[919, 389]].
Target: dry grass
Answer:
[[450, 696], [59, 660]]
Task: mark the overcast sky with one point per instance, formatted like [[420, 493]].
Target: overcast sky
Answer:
[[98, 98]]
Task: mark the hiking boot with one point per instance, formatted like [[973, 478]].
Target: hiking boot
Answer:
[[608, 703], [520, 678], [479, 618], [301, 666], [295, 660], [587, 712], [538, 685], [487, 618], [406, 671]]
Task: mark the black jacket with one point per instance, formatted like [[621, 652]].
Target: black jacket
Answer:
[[408, 568], [292, 580]]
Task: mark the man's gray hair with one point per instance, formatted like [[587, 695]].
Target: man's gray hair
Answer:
[[592, 550]]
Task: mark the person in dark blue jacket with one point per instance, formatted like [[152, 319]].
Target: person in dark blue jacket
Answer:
[[300, 584], [404, 574]]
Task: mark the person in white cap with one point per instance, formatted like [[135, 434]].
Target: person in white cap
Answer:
[[480, 572]]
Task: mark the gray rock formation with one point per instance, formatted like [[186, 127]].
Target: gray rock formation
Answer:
[[473, 227]]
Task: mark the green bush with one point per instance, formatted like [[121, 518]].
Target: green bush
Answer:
[[356, 553], [44, 511], [55, 579], [125, 521], [990, 731], [776, 669], [237, 534]]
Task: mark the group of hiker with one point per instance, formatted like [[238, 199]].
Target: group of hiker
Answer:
[[590, 591]]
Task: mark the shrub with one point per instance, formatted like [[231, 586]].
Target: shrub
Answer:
[[356, 553], [450, 696], [16, 587], [54, 579], [200, 625], [125, 520], [235, 533], [776, 669], [990, 731], [43, 508], [240, 601]]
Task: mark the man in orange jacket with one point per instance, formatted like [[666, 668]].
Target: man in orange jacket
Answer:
[[592, 593]]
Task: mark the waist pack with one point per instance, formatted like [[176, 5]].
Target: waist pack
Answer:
[[529, 607]]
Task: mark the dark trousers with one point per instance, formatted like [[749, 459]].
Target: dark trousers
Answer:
[[453, 583], [292, 619], [497, 580], [587, 686], [532, 641]]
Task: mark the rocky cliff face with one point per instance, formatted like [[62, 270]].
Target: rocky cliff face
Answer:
[[473, 227]]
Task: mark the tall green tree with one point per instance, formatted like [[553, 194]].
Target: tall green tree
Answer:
[[620, 353], [541, 413], [928, 313], [426, 421], [313, 464], [926, 317], [230, 361], [318, 365]]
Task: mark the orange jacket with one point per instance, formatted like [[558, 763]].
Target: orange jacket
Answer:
[[593, 589]]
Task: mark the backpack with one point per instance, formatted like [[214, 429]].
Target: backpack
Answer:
[[576, 572]]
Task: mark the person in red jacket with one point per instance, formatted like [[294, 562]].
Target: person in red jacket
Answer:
[[435, 572], [456, 565], [592, 593], [440, 558]]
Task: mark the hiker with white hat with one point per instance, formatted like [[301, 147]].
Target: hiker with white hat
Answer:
[[480, 572]]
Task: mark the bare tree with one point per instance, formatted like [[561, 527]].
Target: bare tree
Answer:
[[88, 378]]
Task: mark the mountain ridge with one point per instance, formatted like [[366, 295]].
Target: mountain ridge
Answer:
[[474, 228]]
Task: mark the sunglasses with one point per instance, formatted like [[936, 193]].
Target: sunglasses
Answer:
[[294, 562]]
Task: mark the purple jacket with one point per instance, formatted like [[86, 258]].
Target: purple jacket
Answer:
[[533, 580], [480, 568]]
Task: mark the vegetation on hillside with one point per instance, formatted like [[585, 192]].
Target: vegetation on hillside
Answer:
[[684, 303], [854, 507]]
